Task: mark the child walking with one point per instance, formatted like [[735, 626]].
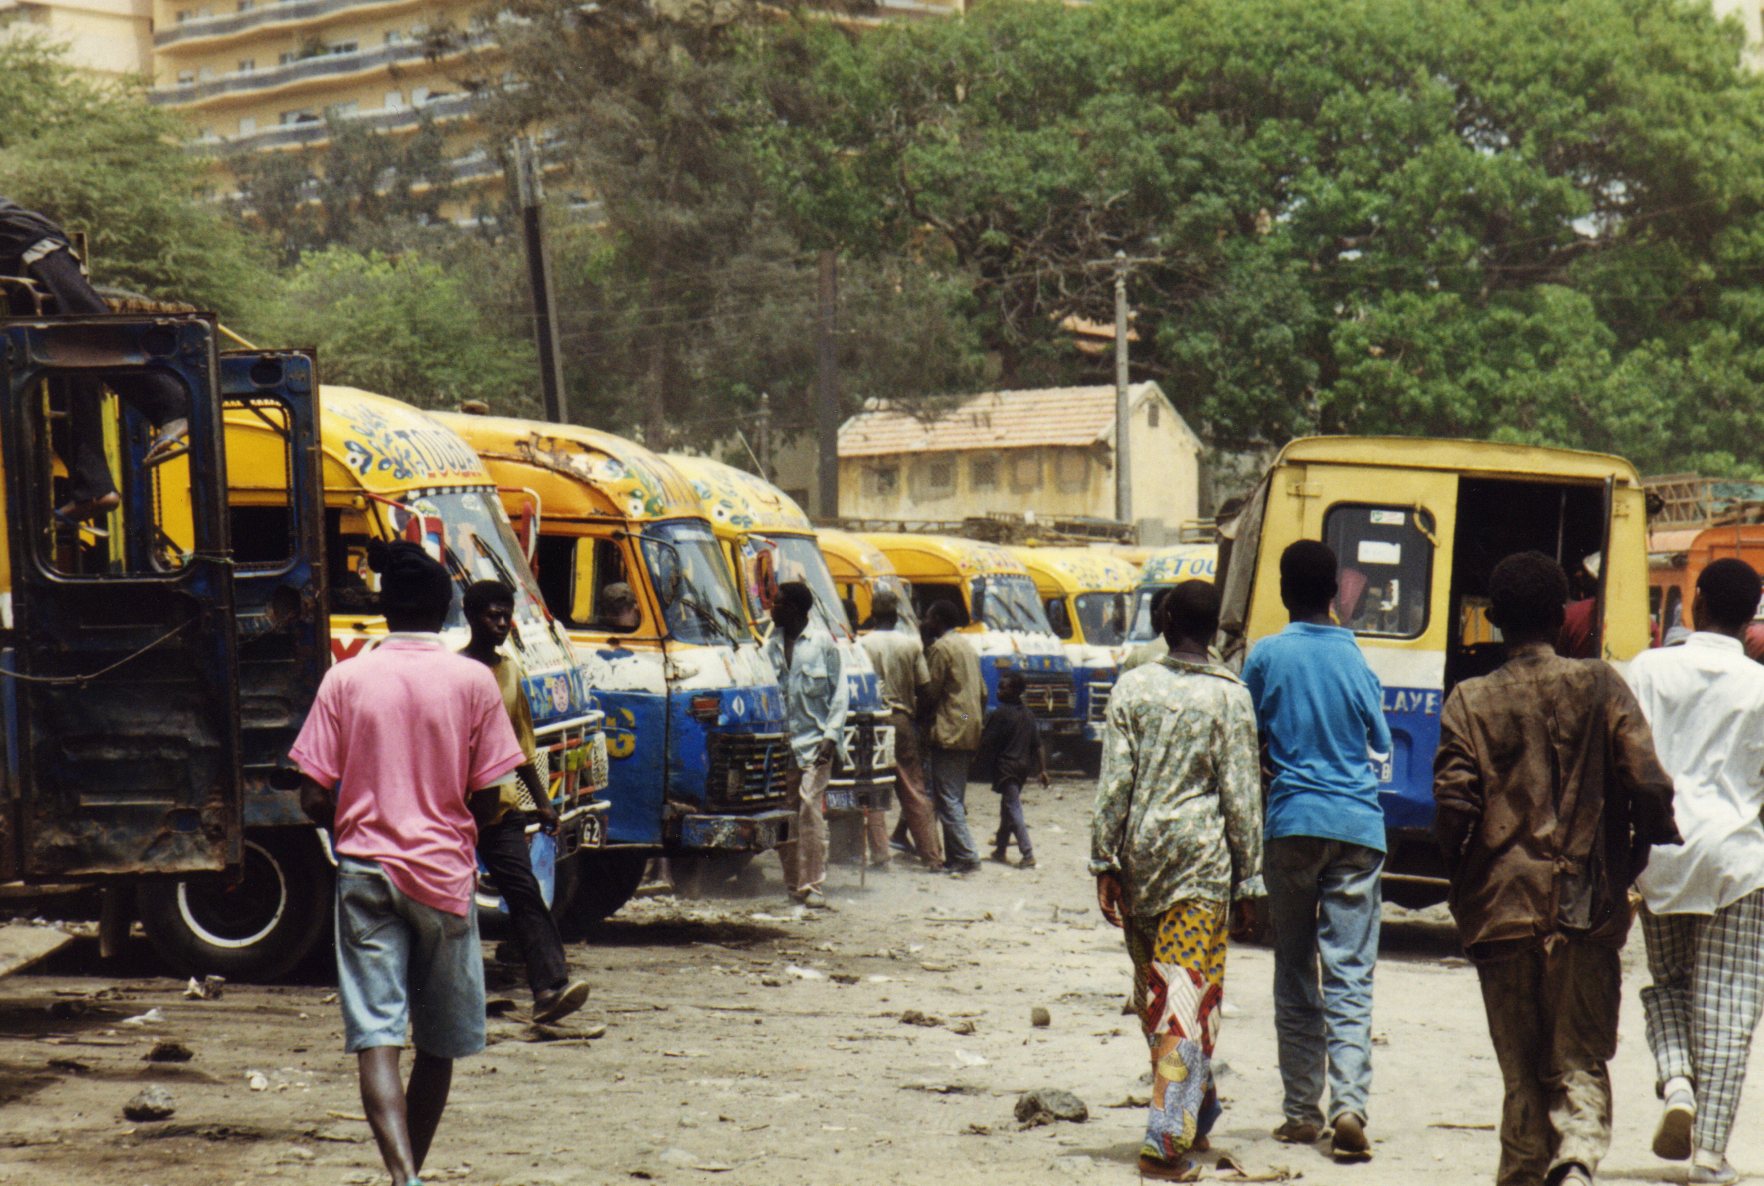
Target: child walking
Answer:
[[1010, 750]]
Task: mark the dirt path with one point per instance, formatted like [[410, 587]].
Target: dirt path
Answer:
[[747, 1044]]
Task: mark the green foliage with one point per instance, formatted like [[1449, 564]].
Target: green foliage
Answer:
[[408, 327], [361, 189], [1514, 219], [97, 157]]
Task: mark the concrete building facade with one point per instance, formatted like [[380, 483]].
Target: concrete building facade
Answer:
[[1047, 453], [107, 37]]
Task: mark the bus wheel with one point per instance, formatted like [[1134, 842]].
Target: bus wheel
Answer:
[[605, 881], [256, 928]]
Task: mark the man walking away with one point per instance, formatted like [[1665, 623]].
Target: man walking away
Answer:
[[1010, 751], [815, 702], [1703, 917], [1176, 847], [502, 845], [1320, 709], [1548, 797], [899, 657], [401, 754], [954, 701]]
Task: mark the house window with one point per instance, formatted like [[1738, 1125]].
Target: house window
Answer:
[[344, 110], [287, 56], [937, 476], [1071, 469], [394, 100], [247, 5], [1151, 416], [247, 124], [247, 65], [419, 95], [184, 14], [204, 73], [883, 480], [1026, 472], [983, 473], [186, 77], [394, 37]]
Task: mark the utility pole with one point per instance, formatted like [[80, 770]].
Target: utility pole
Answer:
[[765, 435], [1123, 413], [532, 196], [827, 392]]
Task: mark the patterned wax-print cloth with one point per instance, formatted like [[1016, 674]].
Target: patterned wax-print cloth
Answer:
[[1178, 986]]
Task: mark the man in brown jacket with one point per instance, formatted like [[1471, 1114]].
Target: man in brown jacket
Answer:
[[953, 701], [1549, 796]]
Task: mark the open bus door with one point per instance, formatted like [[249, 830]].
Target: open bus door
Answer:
[[118, 651], [277, 513]]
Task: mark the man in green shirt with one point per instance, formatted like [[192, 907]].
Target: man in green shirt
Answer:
[[954, 705]]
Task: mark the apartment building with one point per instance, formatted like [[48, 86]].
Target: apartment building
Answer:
[[261, 74], [107, 37]]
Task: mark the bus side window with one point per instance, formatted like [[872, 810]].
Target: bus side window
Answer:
[[1385, 570], [556, 572]]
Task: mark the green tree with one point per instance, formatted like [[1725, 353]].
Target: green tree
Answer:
[[97, 157], [362, 188], [1516, 219], [408, 327]]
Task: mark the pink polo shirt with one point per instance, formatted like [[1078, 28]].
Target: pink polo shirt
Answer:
[[405, 732]]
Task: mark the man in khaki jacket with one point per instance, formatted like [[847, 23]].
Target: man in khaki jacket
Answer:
[[1549, 797], [954, 704]]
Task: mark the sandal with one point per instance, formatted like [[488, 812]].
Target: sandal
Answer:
[[76, 515], [170, 443], [1155, 1169]]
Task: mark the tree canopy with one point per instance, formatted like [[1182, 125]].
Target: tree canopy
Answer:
[[95, 156], [1510, 219]]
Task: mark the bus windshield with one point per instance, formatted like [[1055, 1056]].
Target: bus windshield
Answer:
[[907, 621], [1007, 601], [475, 531], [692, 582], [799, 559], [1104, 618], [1142, 629]]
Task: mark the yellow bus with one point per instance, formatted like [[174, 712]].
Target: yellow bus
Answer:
[[859, 570], [1417, 526], [1087, 594], [755, 519], [695, 720], [1004, 616]]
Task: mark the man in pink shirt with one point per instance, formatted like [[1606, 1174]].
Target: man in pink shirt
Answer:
[[401, 755]]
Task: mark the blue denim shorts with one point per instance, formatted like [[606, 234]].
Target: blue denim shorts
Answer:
[[404, 965]]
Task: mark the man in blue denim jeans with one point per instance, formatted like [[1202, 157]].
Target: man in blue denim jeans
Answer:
[[1320, 710]]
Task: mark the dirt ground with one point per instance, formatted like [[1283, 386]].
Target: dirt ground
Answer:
[[747, 1043]]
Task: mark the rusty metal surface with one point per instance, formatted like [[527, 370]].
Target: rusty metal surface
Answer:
[[734, 833]]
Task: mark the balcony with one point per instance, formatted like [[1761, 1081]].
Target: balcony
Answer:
[[318, 66], [318, 131], [286, 12]]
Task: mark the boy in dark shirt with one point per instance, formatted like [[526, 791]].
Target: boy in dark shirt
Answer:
[[1010, 750]]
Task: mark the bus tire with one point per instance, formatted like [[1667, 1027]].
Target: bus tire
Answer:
[[605, 881], [259, 928]]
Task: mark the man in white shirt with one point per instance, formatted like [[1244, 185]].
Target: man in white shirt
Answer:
[[1703, 919]]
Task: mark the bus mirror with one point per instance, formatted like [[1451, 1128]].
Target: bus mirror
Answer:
[[526, 527]]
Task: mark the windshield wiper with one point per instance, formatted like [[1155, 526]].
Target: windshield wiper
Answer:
[[705, 615]]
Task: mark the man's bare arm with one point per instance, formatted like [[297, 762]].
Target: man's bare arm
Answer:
[[319, 802]]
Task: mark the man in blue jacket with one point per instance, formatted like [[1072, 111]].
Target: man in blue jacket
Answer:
[[1320, 711]]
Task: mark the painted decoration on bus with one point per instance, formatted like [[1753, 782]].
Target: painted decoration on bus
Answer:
[[1180, 564], [643, 490], [739, 499], [399, 445]]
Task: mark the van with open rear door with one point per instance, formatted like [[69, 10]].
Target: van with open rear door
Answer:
[[1417, 526]]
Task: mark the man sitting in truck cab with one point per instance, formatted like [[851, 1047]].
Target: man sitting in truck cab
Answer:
[[31, 244]]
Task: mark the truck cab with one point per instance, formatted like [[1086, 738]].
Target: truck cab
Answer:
[[697, 740], [767, 540], [1006, 621], [860, 571], [1087, 595]]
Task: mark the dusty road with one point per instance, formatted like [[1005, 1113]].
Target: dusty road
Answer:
[[747, 1044]]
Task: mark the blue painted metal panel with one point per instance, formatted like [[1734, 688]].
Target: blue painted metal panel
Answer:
[[1406, 781], [637, 754]]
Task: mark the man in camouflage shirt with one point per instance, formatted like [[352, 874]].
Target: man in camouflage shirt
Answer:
[[1176, 847]]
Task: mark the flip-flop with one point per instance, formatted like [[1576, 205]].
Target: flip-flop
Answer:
[[170, 443]]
